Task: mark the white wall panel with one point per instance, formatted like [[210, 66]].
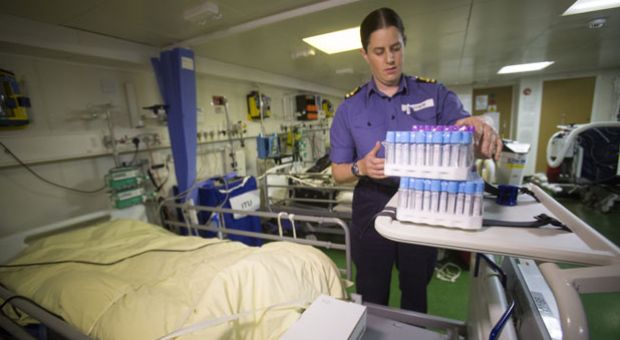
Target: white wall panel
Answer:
[[66, 148]]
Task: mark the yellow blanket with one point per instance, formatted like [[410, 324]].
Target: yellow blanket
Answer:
[[148, 293]]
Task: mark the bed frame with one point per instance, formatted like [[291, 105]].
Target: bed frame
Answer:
[[292, 203], [190, 221], [11, 246], [380, 317]]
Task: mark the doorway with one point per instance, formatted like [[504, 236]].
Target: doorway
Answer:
[[565, 101]]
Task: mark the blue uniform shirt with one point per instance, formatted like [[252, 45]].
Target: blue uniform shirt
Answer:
[[364, 118]]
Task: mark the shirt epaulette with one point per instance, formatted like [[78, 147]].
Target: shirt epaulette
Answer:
[[352, 93], [425, 80]]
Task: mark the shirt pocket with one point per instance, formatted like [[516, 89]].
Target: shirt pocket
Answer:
[[369, 120], [367, 130], [426, 116]]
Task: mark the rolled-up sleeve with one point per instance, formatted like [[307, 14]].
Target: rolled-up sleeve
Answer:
[[451, 108], [342, 145]]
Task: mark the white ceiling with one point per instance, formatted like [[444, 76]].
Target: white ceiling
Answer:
[[455, 41]]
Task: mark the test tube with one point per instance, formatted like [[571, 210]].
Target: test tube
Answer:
[[455, 147], [453, 189], [411, 204], [412, 145], [477, 206], [427, 195], [435, 188], [428, 156], [460, 199], [437, 140], [470, 192], [445, 147], [402, 147], [420, 148], [419, 194], [390, 139], [403, 193], [465, 148], [443, 197]]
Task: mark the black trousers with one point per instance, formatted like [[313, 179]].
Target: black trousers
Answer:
[[375, 255]]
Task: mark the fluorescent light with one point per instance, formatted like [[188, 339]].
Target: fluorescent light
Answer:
[[336, 42], [584, 6], [524, 67]]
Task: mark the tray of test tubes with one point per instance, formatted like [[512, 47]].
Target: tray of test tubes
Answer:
[[430, 151], [454, 204]]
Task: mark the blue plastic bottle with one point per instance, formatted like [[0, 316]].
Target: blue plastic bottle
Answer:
[[470, 192], [412, 149], [466, 148], [428, 153], [403, 193], [453, 189], [412, 192], [419, 194], [443, 197], [402, 148], [460, 199], [437, 141], [455, 147], [390, 139], [420, 147], [427, 195], [435, 188], [445, 147], [477, 206]]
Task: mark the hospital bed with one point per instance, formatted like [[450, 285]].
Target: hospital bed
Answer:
[[505, 302], [165, 284], [291, 188]]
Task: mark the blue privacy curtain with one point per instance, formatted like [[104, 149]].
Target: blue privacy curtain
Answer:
[[176, 78]]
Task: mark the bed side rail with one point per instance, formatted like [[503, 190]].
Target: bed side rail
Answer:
[[302, 182], [189, 210], [38, 313]]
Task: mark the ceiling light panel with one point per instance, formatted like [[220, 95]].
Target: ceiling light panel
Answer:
[[584, 6], [524, 67], [336, 42]]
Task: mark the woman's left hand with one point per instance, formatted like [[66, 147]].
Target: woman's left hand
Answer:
[[487, 142]]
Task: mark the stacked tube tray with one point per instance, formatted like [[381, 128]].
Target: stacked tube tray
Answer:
[[439, 152], [437, 186]]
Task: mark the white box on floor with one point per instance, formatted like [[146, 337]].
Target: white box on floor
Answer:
[[329, 318]]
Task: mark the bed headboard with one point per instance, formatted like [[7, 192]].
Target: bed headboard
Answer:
[[12, 245]]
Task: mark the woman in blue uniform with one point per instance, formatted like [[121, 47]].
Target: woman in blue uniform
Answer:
[[390, 101]]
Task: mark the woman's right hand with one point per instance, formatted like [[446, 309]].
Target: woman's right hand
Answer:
[[371, 165]]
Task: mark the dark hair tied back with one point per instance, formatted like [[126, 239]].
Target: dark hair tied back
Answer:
[[377, 19]]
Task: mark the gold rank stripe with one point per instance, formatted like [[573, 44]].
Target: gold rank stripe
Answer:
[[426, 80], [352, 93]]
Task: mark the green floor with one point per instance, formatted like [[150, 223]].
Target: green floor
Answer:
[[602, 310], [450, 300]]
